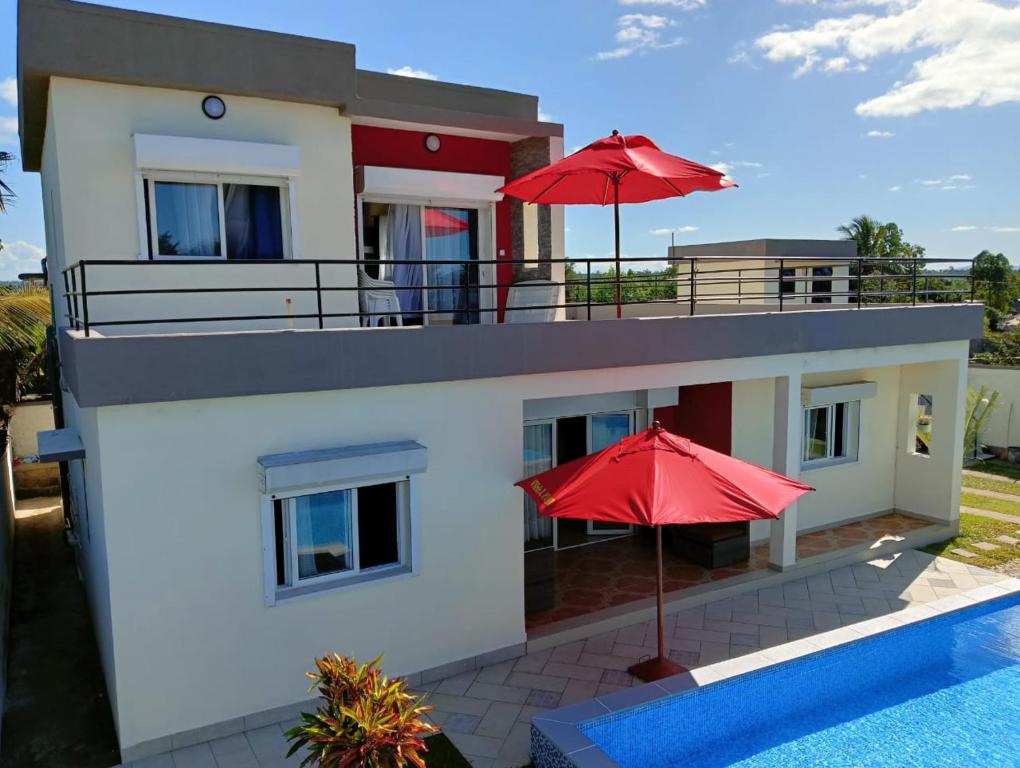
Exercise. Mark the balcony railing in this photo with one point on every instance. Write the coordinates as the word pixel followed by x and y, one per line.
pixel 181 294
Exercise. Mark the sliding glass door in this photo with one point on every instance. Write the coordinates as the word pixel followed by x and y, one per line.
pixel 538 457
pixel 604 430
pixel 434 253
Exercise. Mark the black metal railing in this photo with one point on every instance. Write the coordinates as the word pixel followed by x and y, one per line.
pixel 589 288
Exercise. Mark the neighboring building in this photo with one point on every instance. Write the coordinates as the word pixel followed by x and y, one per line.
pixel 250 493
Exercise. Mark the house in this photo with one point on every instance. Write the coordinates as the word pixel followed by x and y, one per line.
pixel 292 410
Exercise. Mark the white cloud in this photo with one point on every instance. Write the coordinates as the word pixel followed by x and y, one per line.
pixel 963 228
pixel 672 230
pixel 965 52
pixel 544 116
pixel 895 188
pixel 640 33
pixel 949 183
pixel 880 134
pixel 1005 229
pixel 19 256
pixel 727 166
pixel 8 130
pixel 407 71
pixel 683 5
pixel 9 91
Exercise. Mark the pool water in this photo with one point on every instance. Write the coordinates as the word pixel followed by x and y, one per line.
pixel 944 692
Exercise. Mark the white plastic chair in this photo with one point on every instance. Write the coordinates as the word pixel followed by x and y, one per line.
pixel 378 298
pixel 533 301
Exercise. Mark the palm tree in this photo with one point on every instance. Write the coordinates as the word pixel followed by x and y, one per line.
pixel 869 234
pixel 24 315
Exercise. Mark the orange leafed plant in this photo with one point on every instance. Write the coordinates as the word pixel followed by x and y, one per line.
pixel 365 719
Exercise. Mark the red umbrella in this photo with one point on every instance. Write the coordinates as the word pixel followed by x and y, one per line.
pixel 616 169
pixel 657 478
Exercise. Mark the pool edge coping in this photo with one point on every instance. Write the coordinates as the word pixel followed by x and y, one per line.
pixel 560 728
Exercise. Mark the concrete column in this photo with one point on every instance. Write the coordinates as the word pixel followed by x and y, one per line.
pixel 787 426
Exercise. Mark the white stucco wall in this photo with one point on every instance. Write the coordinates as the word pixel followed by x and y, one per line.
pixel 1003 428
pixel 97 215
pixel 28 419
pixel 179 516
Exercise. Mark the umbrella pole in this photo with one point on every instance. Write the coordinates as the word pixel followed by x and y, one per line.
pixel 661 666
pixel 616 222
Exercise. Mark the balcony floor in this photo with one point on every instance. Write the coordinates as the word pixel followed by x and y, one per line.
pixel 612 573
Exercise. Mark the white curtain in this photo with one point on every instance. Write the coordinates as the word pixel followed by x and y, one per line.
pixel 403 243
pixel 188 219
pixel 538 447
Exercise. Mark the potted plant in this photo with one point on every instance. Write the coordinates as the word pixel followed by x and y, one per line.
pixel 364 719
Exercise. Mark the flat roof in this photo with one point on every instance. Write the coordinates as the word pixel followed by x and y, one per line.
pixel 768 248
pixel 63 38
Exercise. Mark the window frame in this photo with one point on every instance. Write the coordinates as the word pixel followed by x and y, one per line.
pixel 851 435
pixel 147 180
pixel 407 541
pixel 487 252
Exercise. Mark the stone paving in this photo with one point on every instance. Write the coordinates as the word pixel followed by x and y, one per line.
pixel 487 712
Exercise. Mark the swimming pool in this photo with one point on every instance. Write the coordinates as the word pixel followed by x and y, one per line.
pixel 944 691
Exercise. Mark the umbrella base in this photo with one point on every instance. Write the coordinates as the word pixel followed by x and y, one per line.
pixel 656 668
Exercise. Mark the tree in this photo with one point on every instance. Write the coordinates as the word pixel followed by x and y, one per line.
pixel 878 241
pixel 24 315
pixel 6 193
pixel 993 280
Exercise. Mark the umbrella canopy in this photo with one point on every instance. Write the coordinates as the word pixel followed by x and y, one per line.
pixel 616 169
pixel 439 223
pixel 657 478
pixel 635 164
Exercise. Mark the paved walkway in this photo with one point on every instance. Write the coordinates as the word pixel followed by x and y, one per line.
pixel 487 713
pixel 56 713
pixel 991 514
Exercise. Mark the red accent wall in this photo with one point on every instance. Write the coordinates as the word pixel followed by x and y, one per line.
pixel 704 414
pixel 392 148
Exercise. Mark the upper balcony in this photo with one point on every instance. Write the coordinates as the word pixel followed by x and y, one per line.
pixel 116 297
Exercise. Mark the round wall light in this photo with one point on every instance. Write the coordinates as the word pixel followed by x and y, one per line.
pixel 432 143
pixel 214 107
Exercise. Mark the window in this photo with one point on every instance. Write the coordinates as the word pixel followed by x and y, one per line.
pixel 788 283
pixel 208 217
pixel 830 434
pixel 339 534
pixel 821 290
pixel 922 424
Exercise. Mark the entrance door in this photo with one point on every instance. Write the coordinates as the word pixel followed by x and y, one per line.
pixel 604 430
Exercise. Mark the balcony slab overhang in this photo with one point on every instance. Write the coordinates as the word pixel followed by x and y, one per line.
pixel 120 370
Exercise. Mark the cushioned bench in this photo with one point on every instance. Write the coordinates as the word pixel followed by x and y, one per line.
pixel 712 545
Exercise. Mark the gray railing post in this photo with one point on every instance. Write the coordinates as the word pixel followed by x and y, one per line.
pixel 74 293
pixel 913 294
pixel 860 280
pixel 67 297
pixel 692 292
pixel 318 294
pixel 588 288
pixel 780 284
pixel 84 300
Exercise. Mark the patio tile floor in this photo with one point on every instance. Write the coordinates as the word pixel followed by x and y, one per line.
pixel 610 573
pixel 489 720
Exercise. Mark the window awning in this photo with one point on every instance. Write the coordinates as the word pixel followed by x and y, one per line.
pixel 283 472
pixel 60 445
pixel 813 397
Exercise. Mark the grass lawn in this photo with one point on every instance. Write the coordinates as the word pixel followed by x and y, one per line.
pixel 1001 468
pixel 442 753
pixel 974 528
pixel 1001 485
pixel 988 502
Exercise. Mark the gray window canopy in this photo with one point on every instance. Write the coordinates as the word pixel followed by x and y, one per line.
pixel 354 464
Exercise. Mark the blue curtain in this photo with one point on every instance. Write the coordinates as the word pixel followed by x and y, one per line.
pixel 403 236
pixel 253 222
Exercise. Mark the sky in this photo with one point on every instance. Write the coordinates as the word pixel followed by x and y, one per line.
pixel 821 110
